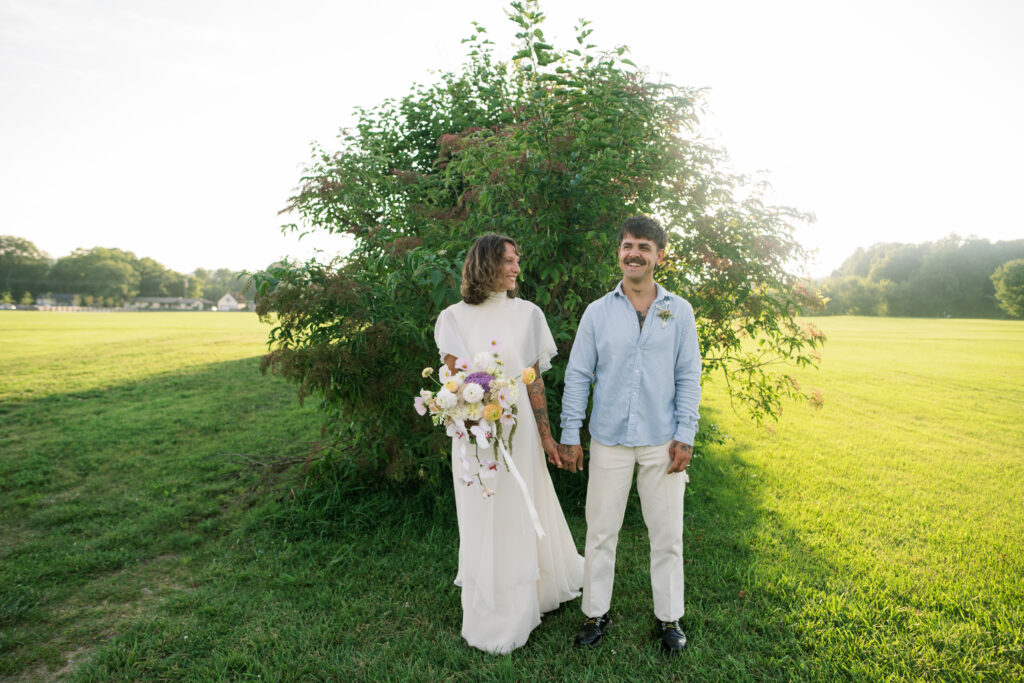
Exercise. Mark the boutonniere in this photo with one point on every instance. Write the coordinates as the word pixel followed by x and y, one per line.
pixel 664 312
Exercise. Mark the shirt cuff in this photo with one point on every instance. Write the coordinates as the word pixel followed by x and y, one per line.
pixel 570 436
pixel 685 436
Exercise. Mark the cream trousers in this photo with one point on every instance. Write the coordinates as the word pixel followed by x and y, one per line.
pixel 661 499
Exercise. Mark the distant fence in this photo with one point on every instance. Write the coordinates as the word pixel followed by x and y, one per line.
pixel 73 309
pixel 128 309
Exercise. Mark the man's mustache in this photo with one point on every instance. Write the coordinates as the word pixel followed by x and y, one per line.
pixel 635 260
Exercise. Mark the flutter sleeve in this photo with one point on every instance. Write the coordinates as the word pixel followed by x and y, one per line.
pixel 447 337
pixel 539 346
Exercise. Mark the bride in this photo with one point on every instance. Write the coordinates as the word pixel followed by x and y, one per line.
pixel 509 573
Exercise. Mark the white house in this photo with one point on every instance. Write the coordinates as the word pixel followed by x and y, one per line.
pixel 232 301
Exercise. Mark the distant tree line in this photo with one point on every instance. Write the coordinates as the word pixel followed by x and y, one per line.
pixel 952 277
pixel 102 276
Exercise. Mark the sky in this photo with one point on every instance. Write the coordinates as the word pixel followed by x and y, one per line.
pixel 178 130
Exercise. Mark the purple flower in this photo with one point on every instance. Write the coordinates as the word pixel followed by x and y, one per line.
pixel 481 378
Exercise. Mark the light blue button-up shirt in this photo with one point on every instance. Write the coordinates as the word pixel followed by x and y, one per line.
pixel 646 380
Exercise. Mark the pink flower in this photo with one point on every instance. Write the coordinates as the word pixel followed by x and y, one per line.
pixel 418 404
pixel 467 480
pixel 495 347
pixel 508 419
pixel 462 364
pixel 505 397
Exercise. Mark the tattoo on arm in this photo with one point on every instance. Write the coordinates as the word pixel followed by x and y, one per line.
pixel 540 406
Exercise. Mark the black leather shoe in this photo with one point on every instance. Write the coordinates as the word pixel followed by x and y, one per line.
pixel 592 631
pixel 673 640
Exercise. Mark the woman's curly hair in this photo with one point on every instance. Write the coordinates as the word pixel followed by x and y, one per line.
pixel 482 269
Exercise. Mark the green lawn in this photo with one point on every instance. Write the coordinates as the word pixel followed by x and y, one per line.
pixel 876 538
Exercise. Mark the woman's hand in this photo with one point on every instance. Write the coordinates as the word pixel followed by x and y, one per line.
pixel 551 448
pixel 540 412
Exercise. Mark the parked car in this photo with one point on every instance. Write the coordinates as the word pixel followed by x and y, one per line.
pixel 8 307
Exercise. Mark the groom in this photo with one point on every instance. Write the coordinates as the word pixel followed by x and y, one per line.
pixel 637 346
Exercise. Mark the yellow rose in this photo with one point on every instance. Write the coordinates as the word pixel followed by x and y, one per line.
pixel 452 385
pixel 529 374
pixel 491 412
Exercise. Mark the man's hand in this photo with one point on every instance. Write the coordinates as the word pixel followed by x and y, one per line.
pixel 553 450
pixel 680 454
pixel 572 457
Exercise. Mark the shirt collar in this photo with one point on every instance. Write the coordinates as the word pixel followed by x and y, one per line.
pixel 662 293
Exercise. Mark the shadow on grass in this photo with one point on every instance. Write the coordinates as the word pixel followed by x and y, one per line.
pixel 741 606
pixel 356 582
pixel 97 485
pixel 338 581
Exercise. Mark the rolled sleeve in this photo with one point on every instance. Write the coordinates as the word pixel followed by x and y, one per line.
pixel 687 379
pixel 579 375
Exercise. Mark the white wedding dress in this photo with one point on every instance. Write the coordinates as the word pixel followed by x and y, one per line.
pixel 508 576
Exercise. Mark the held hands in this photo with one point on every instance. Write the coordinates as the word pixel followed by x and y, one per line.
pixel 680 455
pixel 552 450
pixel 571 457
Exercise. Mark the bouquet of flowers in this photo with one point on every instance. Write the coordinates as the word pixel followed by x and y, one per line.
pixel 477 400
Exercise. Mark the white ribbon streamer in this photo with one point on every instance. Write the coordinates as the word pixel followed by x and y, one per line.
pixel 522 487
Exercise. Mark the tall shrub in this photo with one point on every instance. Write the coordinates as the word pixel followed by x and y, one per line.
pixel 1008 280
pixel 555 147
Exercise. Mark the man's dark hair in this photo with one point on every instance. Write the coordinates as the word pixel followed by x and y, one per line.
pixel 645 228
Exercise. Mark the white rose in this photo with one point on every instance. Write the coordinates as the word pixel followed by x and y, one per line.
pixel 446 399
pixel 426 394
pixel 482 361
pixel 473 393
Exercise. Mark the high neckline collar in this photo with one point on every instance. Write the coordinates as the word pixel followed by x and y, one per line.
pixel 496 297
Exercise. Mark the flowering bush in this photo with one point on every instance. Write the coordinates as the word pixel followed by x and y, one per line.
pixel 554 148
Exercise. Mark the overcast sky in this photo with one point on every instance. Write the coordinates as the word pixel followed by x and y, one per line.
pixel 177 130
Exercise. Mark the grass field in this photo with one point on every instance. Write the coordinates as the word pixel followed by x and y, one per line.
pixel 877 538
